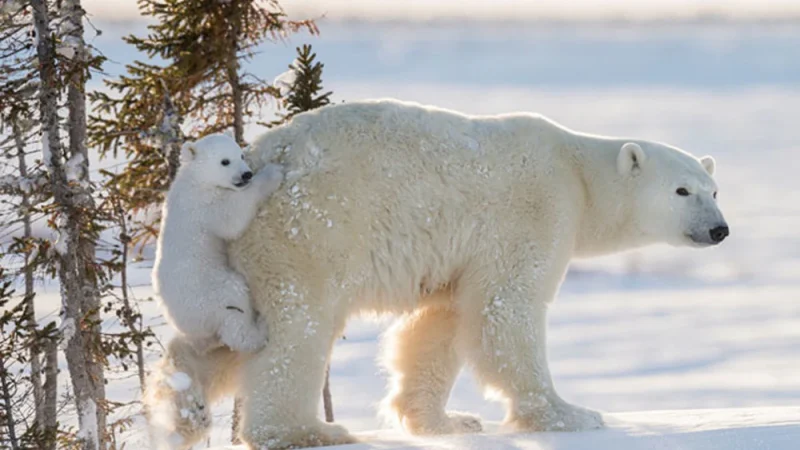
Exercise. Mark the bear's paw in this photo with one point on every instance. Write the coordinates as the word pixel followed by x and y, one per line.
pixel 280 438
pixel 557 416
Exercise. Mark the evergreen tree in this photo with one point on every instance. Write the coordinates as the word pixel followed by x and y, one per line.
pixel 203 44
pixel 300 87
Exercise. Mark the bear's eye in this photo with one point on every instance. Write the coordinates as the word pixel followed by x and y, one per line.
pixel 715 195
pixel 225 162
pixel 682 192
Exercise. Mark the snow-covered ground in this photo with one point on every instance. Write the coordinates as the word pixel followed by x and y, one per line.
pixel 657 329
pixel 729 429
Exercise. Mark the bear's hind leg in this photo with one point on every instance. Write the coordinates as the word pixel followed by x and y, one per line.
pixel 282 384
pixel 181 390
pixel 421 355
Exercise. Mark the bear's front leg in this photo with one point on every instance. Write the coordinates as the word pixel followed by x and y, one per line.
pixel 503 336
pixel 282 384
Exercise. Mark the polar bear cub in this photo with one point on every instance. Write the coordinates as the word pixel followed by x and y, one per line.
pixel 212 200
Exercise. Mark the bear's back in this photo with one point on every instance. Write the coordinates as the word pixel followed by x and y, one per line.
pixel 397 134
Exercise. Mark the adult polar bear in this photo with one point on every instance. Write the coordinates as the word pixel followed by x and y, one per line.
pixel 463 225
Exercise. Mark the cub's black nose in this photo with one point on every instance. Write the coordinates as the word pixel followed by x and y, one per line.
pixel 718 234
pixel 247 175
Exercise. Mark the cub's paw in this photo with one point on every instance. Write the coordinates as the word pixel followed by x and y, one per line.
pixel 240 333
pixel 269 178
pixel 254 340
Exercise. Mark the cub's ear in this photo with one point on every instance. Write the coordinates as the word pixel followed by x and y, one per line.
pixel 188 152
pixel 709 164
pixel 631 157
pixel 229 133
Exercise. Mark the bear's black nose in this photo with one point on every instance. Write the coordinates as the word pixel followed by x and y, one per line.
pixel 719 233
pixel 247 175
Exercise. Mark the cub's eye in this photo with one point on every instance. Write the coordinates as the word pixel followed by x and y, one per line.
pixel 225 162
pixel 242 156
pixel 682 192
pixel 715 195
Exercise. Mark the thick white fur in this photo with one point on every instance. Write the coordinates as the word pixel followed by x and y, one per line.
pixel 464 226
pixel 203 297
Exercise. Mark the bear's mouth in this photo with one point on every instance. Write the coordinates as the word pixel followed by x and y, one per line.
pixel 241 184
pixel 699 240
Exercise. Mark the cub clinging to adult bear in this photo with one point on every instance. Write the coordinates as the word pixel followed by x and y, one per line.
pixel 464 227
pixel 211 201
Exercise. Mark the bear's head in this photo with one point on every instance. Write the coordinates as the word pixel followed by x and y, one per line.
pixel 674 195
pixel 216 160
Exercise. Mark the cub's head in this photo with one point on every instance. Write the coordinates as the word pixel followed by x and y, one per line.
pixel 216 160
pixel 675 198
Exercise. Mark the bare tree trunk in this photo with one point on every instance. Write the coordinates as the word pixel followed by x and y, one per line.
pixel 237 418
pixel 36 362
pixel 90 304
pixel 237 94
pixel 50 394
pixel 131 324
pixel 48 96
pixel 232 69
pixel 76 253
pixel 171 136
pixel 326 396
pixel 238 134
pixel 5 392
pixel 124 239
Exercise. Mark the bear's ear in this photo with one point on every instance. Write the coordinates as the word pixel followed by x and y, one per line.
pixel 709 164
pixel 631 157
pixel 188 152
pixel 229 133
